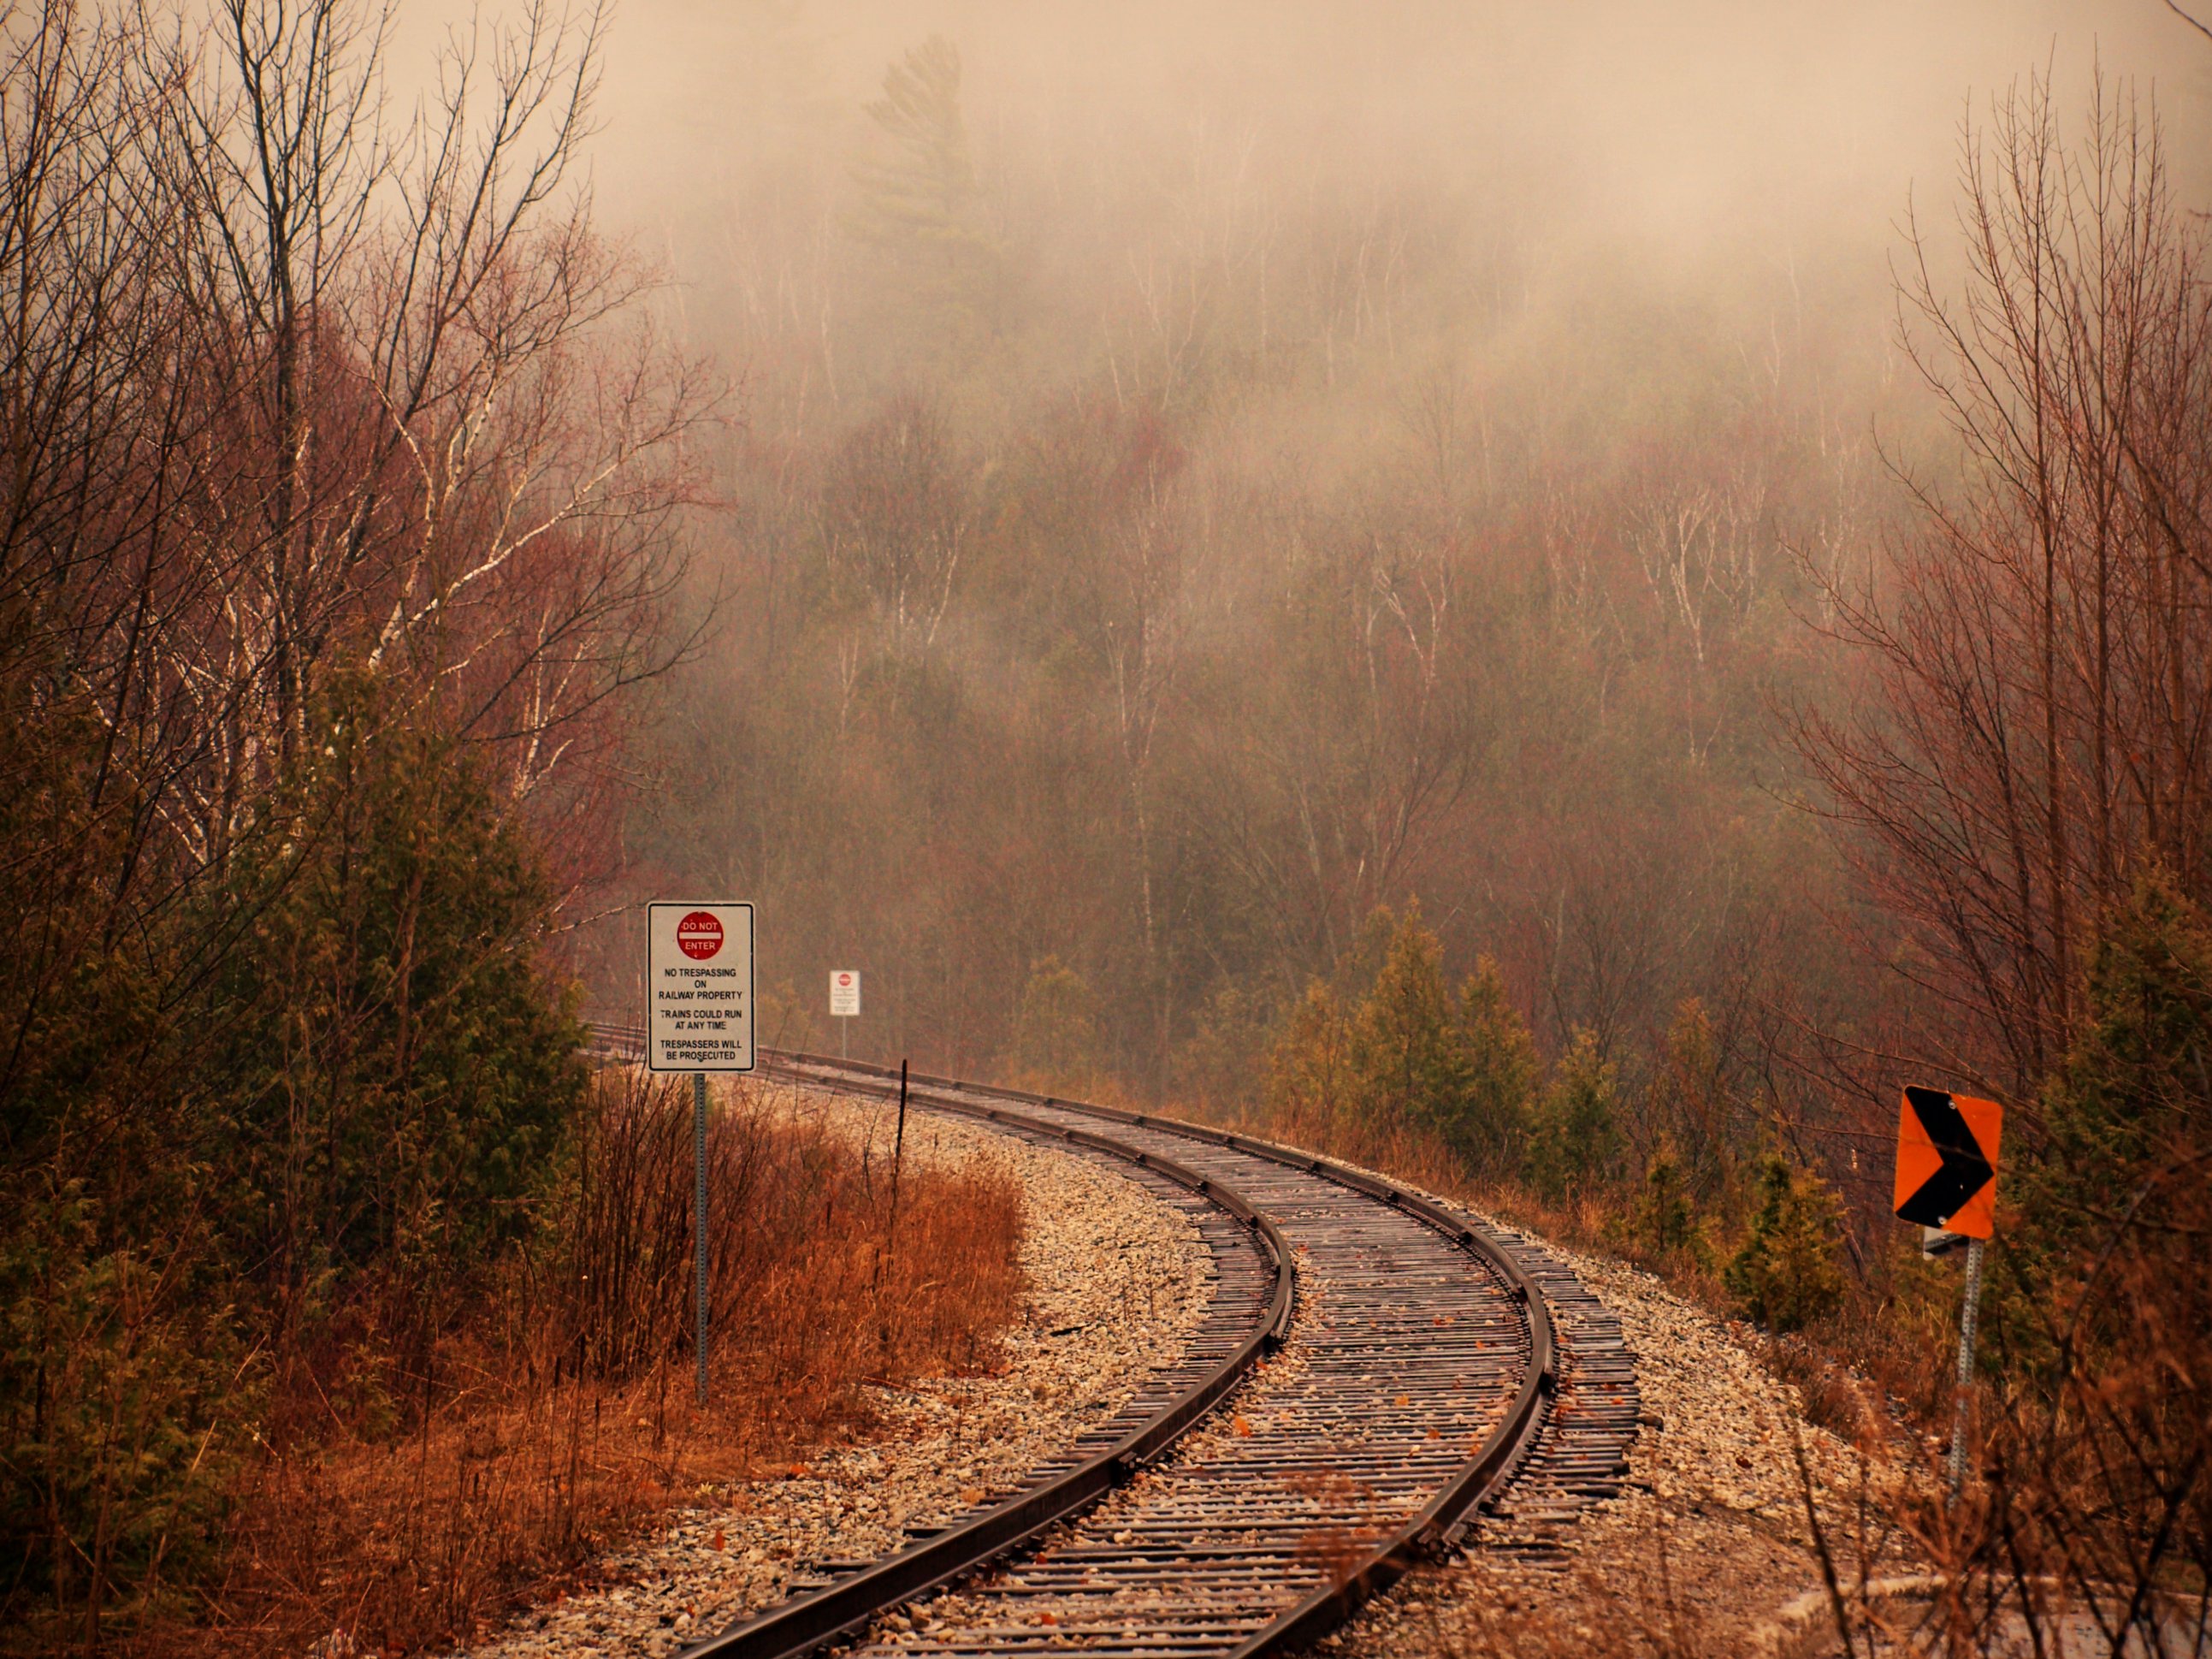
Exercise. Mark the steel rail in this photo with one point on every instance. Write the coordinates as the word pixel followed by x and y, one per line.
pixel 1444 1520
pixel 841 1610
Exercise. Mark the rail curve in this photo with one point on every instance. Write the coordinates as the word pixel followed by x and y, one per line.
pixel 1424 1367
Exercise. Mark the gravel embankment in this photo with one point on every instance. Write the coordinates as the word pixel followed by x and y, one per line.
pixel 1705 1549
pixel 1116 1281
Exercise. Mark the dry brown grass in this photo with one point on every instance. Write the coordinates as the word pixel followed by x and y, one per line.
pixel 411 1485
pixel 2086 1525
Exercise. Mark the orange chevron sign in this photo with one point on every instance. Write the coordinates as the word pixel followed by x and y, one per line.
pixel 1947 1161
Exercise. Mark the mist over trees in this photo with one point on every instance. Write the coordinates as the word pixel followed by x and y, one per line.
pixel 1213 573
pixel 1253 607
pixel 1154 563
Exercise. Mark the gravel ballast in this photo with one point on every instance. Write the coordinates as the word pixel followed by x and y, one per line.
pixel 1707 1547
pixel 1704 1547
pixel 1115 1281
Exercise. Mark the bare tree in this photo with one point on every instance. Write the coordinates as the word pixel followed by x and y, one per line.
pixel 896 521
pixel 449 440
pixel 2033 722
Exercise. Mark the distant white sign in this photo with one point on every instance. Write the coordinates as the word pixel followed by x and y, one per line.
pixel 845 993
pixel 699 987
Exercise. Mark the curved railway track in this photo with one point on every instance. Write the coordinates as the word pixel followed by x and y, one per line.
pixel 1422 1383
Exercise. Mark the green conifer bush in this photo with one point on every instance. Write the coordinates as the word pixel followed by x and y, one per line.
pixel 1785 1275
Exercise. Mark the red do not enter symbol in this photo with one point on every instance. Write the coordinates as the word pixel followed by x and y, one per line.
pixel 699 935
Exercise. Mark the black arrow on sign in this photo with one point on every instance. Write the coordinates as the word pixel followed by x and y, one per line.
pixel 1964 1171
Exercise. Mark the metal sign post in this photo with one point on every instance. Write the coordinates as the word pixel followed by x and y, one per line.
pixel 699 1018
pixel 699 1209
pixel 1966 1323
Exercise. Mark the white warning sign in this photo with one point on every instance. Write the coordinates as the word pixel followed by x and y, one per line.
pixel 699 987
pixel 845 993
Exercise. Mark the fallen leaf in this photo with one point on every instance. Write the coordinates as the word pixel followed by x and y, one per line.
pixel 715 1542
pixel 1239 1426
pixel 1047 1618
pixel 971 1494
pixel 1404 1400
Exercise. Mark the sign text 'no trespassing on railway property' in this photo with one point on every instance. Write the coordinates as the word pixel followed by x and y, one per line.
pixel 699 978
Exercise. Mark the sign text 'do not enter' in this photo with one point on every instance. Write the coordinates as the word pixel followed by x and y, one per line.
pixel 699 936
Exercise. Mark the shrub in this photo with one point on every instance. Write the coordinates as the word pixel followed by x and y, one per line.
pixel 1575 1143
pixel 1413 1068
pixel 399 1067
pixel 1663 1223
pixel 114 1392
pixel 1493 1123
pixel 347 1094
pixel 561 1411
pixel 1409 1058
pixel 1690 1108
pixel 1785 1276
pixel 2131 1102
pixel 1055 1037
pixel 1312 1087
pixel 1221 1065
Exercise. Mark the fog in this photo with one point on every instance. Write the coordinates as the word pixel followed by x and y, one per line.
pixel 1297 459
pixel 1673 141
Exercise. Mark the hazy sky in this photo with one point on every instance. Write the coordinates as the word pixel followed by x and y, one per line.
pixel 1685 119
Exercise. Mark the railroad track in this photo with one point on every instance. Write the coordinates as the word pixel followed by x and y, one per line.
pixel 1428 1376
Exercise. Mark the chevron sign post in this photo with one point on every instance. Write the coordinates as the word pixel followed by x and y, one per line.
pixel 1946 1181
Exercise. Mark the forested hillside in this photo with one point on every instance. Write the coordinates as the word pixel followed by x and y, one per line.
pixel 1559 606
pixel 1160 554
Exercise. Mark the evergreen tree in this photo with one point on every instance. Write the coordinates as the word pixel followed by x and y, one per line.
pixel 1785 1275
pixel 1576 1141
pixel 1409 1055
pixel 1690 1109
pixel 1493 1123
pixel 2130 1102
pixel 1221 1064
pixel 917 204
pixel 1310 1081
pixel 1055 1038
pixel 401 1066
pixel 1413 1068
pixel 1662 1222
